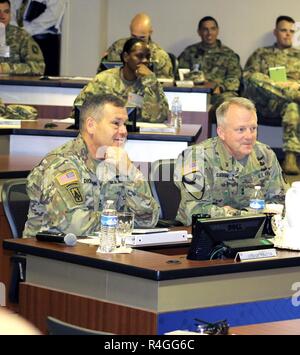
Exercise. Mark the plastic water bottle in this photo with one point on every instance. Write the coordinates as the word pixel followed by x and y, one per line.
pixel 257 202
pixel 176 113
pixel 109 226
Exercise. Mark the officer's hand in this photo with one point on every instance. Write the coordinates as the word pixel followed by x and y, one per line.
pixel 118 157
pixel 142 70
pixel 230 211
pixel 289 84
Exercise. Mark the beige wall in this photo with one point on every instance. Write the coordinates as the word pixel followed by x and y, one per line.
pixel 244 25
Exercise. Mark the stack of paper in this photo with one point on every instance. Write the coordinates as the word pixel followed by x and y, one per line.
pixel 155 127
pixel 4 123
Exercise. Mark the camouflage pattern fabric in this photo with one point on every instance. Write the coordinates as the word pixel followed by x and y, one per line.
pixel 270 99
pixel 210 178
pixel 155 105
pixel 2 108
pixel 219 64
pixel 21 112
pixel 66 195
pixel 162 65
pixel 26 57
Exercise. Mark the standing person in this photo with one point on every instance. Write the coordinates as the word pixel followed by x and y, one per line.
pixel 25 56
pixel 141 27
pixel 218 176
pixel 135 83
pixel 42 20
pixel 278 98
pixel 219 64
pixel 70 186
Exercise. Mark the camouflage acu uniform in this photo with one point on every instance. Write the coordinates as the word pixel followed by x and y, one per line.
pixel 271 100
pixel 67 196
pixel 162 65
pixel 26 57
pixel 220 65
pixel 208 176
pixel 155 106
pixel 21 112
pixel 2 108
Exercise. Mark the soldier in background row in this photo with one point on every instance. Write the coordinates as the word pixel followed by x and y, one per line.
pixel 218 176
pixel 68 189
pixel 141 27
pixel 42 19
pixel 25 57
pixel 278 98
pixel 135 83
pixel 219 64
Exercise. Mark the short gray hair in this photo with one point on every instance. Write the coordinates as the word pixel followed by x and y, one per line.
pixel 93 106
pixel 238 101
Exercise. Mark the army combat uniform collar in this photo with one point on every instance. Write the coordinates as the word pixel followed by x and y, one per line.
pixel 229 163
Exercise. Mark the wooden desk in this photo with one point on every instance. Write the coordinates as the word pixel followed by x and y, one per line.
pixel 288 327
pixel 32 139
pixel 149 292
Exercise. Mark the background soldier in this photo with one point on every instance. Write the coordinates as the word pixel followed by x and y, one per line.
pixel 218 176
pixel 69 187
pixel 280 98
pixel 219 64
pixel 25 56
pixel 135 83
pixel 141 27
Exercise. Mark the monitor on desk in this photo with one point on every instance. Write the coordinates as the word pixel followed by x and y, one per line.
pixel 109 65
pixel 233 234
pixel 132 119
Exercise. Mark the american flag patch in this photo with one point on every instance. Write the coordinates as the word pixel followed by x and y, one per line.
pixel 67 178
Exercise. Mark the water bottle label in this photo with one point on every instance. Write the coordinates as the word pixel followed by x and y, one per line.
pixel 257 204
pixel 109 221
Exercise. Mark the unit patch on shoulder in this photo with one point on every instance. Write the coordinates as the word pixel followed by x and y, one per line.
pixel 75 192
pixel 67 178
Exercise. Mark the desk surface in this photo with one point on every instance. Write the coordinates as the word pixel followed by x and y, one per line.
pixel 74 82
pixel 151 264
pixel 187 133
pixel 288 327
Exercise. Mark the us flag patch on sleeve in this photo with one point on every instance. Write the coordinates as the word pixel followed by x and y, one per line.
pixel 67 178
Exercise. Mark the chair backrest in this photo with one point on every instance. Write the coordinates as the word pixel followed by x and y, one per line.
pixel 58 327
pixel 15 204
pixel 163 188
pixel 174 64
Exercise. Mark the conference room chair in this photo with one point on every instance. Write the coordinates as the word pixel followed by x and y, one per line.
pixel 174 65
pixel 58 327
pixel 15 205
pixel 164 190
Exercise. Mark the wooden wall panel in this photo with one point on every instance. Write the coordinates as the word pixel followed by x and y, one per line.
pixel 36 303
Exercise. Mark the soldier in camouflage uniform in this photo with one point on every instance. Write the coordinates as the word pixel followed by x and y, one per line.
pixel 278 99
pixel 25 56
pixel 220 64
pixel 68 189
pixel 141 27
pixel 218 176
pixel 135 83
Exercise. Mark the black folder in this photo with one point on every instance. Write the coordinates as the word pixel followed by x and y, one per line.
pixel 35 9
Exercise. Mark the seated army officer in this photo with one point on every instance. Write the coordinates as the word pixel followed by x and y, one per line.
pixel 135 83
pixel 141 27
pixel 24 56
pixel 218 176
pixel 68 189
